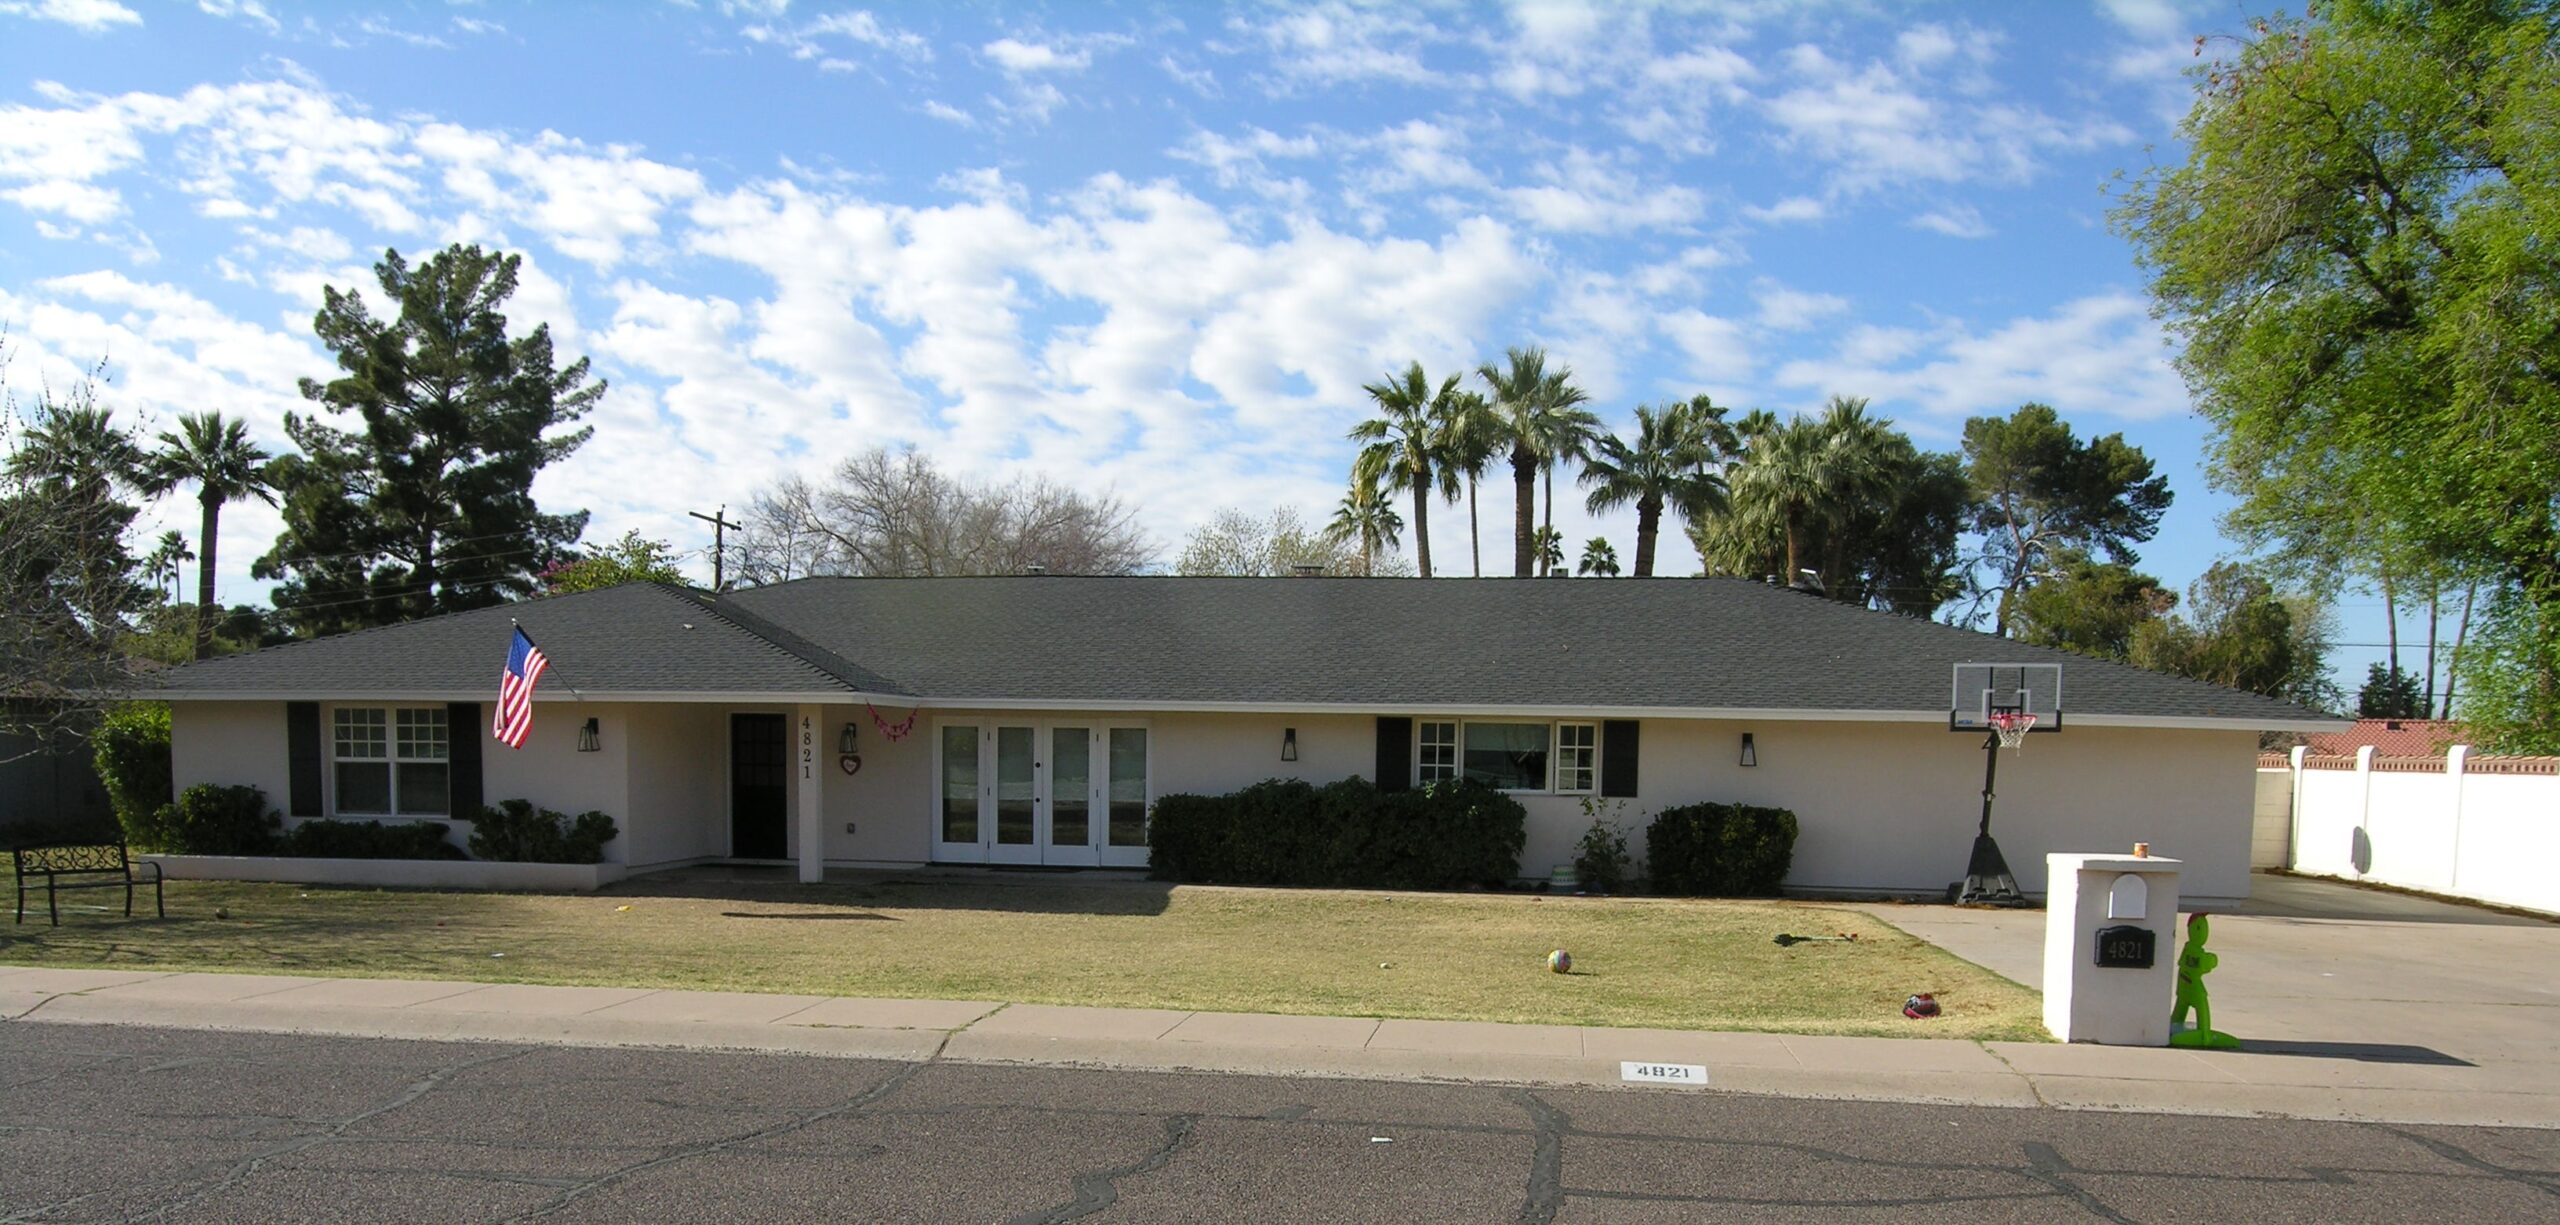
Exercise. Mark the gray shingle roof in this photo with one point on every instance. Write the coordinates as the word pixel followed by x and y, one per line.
pixel 636 638
pixel 1385 644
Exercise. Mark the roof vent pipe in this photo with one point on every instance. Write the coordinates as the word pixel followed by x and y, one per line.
pixel 1035 569
pixel 1307 569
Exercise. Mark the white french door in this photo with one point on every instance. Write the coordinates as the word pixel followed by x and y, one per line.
pixel 1066 792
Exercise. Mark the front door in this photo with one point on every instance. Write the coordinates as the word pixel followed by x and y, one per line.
pixel 1064 793
pixel 759 788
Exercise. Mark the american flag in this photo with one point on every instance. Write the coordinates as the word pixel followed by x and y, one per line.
pixel 515 691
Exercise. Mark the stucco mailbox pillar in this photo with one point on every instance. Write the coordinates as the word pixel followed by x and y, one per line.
pixel 2110 948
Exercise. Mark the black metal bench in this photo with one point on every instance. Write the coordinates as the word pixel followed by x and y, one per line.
pixel 106 861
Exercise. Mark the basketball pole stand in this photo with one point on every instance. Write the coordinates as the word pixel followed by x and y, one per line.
pixel 1987 880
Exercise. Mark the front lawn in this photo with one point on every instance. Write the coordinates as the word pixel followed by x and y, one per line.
pixel 1643 961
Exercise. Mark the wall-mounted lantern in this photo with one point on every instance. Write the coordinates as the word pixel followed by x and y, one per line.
pixel 845 742
pixel 591 736
pixel 1288 744
pixel 1750 754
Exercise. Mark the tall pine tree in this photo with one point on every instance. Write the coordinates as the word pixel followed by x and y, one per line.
pixel 427 507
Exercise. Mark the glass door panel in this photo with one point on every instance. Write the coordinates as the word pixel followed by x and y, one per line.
pixel 1127 795
pixel 958 800
pixel 1017 795
pixel 1070 792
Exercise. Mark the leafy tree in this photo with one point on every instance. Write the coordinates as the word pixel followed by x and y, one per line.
pixel 2236 632
pixel 2088 606
pixel 2038 489
pixel 1670 464
pixel 428 508
pixel 1599 557
pixel 1235 543
pixel 1405 442
pixel 1366 518
pixel 213 453
pixel 2390 693
pixel 632 559
pixel 68 584
pixel 893 514
pixel 1541 422
pixel 2356 255
pixel 1470 436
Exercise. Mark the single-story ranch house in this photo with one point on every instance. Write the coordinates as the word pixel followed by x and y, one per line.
pixel 1034 720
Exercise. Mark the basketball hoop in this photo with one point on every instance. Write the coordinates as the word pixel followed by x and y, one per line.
pixel 2012 726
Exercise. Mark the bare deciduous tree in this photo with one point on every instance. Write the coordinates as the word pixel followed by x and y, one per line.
pixel 893 514
pixel 1233 542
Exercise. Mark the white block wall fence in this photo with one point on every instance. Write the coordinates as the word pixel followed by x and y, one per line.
pixel 2485 828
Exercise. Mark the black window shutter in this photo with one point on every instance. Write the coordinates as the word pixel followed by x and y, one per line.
pixel 1395 753
pixel 302 755
pixel 462 742
pixel 1618 758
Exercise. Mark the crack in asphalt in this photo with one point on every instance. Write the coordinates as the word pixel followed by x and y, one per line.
pixel 1100 1189
pixel 2545 1181
pixel 2046 1165
pixel 585 1187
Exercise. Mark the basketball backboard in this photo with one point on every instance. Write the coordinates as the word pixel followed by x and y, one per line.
pixel 1982 689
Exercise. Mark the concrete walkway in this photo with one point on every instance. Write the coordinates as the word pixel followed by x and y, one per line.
pixel 2333 1085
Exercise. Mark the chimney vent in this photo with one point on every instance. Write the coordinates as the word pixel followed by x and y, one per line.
pixel 1307 569
pixel 1035 569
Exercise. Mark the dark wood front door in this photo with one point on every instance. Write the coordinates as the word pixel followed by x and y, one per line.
pixel 759 797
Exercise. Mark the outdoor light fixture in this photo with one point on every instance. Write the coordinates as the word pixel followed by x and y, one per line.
pixel 1750 755
pixel 591 736
pixel 1288 744
pixel 844 741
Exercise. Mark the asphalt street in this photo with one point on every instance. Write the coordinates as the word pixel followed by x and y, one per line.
pixel 118 1123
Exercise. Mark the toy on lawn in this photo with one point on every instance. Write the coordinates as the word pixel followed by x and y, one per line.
pixel 1560 961
pixel 2193 964
pixel 1920 1007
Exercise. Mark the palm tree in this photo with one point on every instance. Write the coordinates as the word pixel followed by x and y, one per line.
pixel 79 449
pixel 1795 480
pixel 1368 517
pixel 1469 437
pixel 1404 447
pixel 1549 551
pixel 213 451
pixel 164 561
pixel 1564 434
pixel 1601 558
pixel 1670 463
pixel 1538 418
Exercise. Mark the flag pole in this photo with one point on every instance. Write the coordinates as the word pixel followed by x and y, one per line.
pixel 518 627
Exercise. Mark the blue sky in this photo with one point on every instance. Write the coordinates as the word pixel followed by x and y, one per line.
pixel 1154 248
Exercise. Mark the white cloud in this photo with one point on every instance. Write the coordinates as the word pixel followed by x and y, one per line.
pixel 88 16
pixel 83 202
pixel 1954 221
pixel 1884 125
pixel 1787 211
pixel 1334 43
pixel 1787 310
pixel 817 39
pixel 1015 55
pixel 1586 193
pixel 1717 349
pixel 2101 354
pixel 246 11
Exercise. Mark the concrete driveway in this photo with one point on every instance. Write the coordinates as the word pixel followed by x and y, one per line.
pixel 2325 968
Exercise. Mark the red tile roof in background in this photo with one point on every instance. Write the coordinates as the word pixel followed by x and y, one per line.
pixel 2389 738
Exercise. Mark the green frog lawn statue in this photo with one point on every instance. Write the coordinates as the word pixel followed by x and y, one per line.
pixel 2193 964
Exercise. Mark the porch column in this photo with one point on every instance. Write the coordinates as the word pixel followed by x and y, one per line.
pixel 813 866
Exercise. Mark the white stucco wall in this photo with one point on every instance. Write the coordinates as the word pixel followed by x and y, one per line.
pixel 679 798
pixel 232 744
pixel 2469 832
pixel 551 772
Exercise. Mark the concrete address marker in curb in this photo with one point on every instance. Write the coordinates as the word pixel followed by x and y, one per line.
pixel 1662 1073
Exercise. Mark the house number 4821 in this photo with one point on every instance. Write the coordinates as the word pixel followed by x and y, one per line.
pixel 808 748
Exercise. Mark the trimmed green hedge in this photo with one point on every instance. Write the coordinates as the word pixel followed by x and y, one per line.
pixel 1286 832
pixel 211 819
pixel 322 839
pixel 517 832
pixel 1720 850
pixel 131 751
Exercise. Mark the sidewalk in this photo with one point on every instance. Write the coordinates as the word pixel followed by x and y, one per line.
pixel 2354 1086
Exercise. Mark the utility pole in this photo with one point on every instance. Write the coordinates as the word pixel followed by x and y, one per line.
pixel 720 526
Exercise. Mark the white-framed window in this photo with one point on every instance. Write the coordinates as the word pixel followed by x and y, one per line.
pixel 391 761
pixel 1435 757
pixel 1577 758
